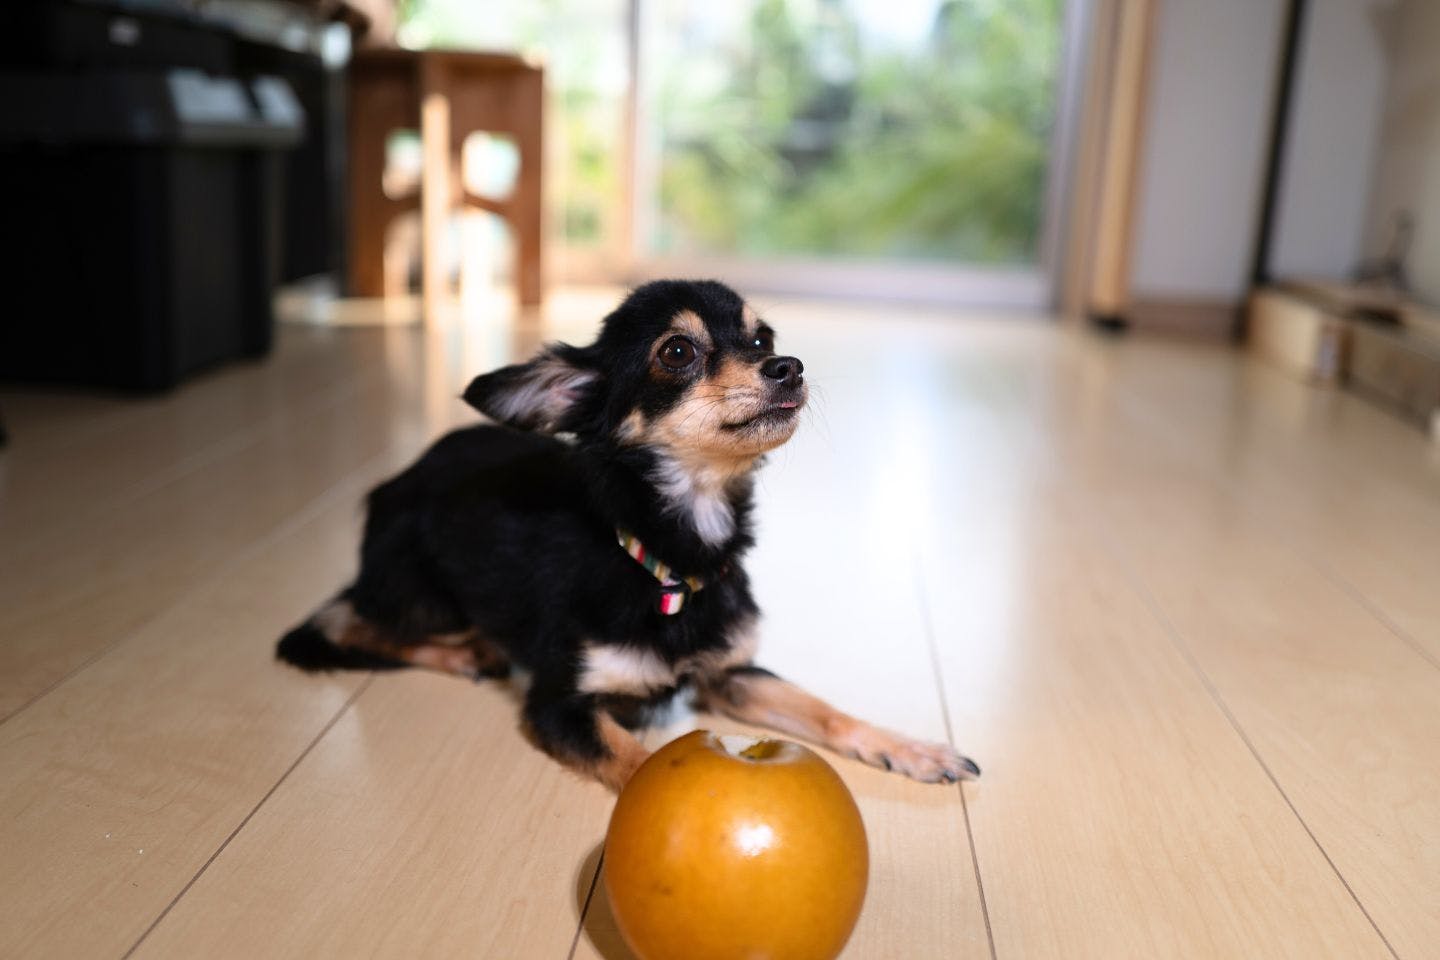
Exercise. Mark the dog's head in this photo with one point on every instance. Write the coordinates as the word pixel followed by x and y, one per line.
pixel 684 372
pixel 685 368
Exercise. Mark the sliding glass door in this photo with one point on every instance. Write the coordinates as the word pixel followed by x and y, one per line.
pixel 890 147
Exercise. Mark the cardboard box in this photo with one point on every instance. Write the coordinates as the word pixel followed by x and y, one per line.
pixel 1400 367
pixel 1297 335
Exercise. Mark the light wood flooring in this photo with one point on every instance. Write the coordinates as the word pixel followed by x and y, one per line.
pixel 1183 611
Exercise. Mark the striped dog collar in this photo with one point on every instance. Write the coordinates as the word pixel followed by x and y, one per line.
pixel 673 591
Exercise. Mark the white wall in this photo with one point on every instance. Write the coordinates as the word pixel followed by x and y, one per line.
pixel 1407 174
pixel 1333 141
pixel 1202 165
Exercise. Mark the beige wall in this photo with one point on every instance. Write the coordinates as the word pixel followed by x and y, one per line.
pixel 1333 141
pixel 1407 174
pixel 1203 160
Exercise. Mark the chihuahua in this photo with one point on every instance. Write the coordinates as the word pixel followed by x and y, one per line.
pixel 594 538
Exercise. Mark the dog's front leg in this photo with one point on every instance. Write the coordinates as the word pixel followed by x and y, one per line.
pixel 575 730
pixel 754 695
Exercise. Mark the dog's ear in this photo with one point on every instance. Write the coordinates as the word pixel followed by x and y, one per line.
pixel 538 395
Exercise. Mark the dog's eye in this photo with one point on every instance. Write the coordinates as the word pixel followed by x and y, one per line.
pixel 677 353
pixel 764 340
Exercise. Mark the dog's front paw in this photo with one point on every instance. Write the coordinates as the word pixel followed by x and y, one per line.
pixel 926 762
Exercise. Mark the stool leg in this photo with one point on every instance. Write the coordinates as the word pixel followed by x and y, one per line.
pixel 526 219
pixel 369 207
pixel 382 100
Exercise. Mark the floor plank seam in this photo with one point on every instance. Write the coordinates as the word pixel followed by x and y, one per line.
pixel 65 677
pixel 280 530
pixel 133 413
pixel 1172 634
pixel 1282 535
pixel 932 643
pixel 363 686
pixel 1375 610
pixel 235 442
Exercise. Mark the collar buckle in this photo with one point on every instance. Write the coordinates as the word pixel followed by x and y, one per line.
pixel 673 597
pixel 674 591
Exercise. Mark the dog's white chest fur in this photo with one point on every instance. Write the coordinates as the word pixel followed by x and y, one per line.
pixel 627 670
pixel 637 672
pixel 702 498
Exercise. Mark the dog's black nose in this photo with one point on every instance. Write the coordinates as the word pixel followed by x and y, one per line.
pixel 786 370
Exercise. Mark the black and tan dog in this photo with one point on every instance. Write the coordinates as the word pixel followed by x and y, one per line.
pixel 607 564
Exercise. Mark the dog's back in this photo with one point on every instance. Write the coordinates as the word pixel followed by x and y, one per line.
pixel 461 539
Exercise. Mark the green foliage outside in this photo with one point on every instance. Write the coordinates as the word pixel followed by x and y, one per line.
pixel 936 153
pixel 814 139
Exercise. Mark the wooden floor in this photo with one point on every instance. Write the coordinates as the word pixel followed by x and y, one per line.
pixel 1183 611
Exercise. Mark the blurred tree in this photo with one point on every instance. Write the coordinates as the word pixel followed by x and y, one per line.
pixel 822 143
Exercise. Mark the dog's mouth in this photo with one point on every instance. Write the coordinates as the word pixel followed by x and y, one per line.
pixel 776 413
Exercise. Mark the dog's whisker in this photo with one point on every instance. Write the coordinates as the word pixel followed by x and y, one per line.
pixel 815 413
pixel 700 408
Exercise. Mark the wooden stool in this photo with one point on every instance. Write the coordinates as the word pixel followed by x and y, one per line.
pixel 448 95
